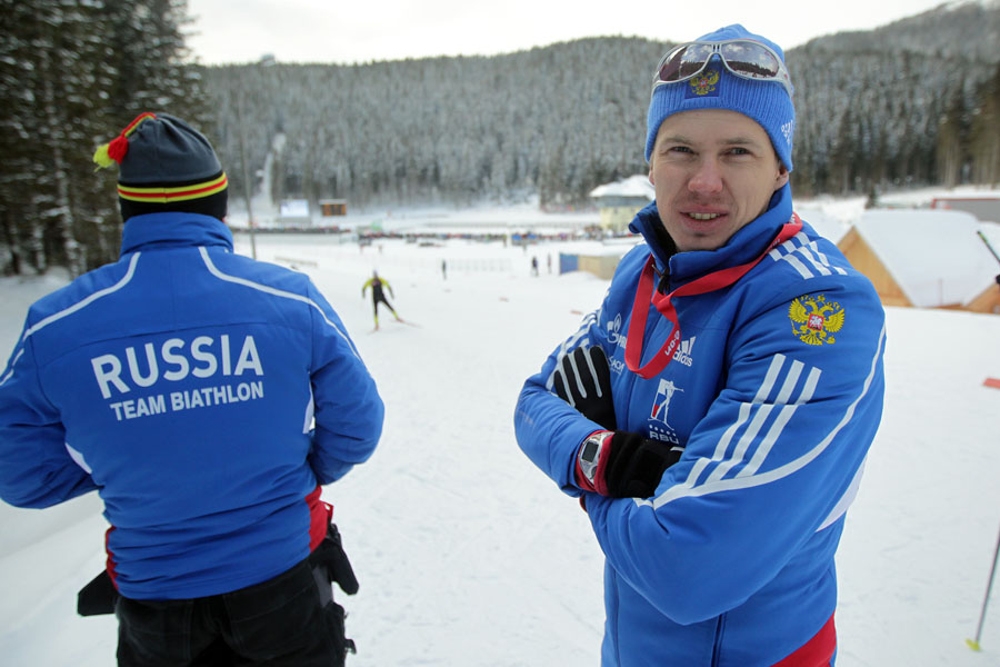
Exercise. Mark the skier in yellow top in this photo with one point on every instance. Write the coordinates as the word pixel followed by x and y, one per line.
pixel 378 286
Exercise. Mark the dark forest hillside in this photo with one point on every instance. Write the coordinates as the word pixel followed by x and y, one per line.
pixel 915 102
pixel 909 103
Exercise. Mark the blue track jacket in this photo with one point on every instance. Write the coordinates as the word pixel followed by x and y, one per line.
pixel 775 394
pixel 204 395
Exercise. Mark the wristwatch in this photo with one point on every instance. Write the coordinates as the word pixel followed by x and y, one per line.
pixel 590 453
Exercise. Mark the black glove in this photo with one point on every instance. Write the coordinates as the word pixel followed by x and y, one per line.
pixel 331 555
pixel 583 379
pixel 635 465
pixel 98 597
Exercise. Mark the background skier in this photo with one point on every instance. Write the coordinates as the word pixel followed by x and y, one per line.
pixel 379 286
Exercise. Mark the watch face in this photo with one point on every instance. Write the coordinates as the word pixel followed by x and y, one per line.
pixel 589 451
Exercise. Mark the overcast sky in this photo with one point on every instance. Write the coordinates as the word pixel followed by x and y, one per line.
pixel 352 31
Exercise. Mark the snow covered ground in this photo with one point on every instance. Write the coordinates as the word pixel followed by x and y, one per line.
pixel 468 556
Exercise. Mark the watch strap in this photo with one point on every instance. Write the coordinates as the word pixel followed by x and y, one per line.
pixel 591 461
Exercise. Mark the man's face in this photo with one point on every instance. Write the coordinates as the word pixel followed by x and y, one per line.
pixel 713 171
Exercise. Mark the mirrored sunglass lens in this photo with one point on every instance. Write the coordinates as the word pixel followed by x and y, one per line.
pixel 751 60
pixel 684 62
pixel 671 66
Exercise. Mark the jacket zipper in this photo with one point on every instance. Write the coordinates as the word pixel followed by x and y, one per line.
pixel 720 626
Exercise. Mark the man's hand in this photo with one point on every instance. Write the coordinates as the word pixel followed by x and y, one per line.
pixel 583 379
pixel 636 464
pixel 619 464
pixel 612 463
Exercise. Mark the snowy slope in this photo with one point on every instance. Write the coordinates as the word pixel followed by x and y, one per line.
pixel 469 556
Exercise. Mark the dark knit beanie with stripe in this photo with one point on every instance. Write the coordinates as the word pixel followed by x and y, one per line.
pixel 164 164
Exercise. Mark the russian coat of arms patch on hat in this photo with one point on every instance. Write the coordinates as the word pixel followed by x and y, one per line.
pixel 705 84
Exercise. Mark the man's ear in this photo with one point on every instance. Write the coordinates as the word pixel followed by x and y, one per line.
pixel 782 178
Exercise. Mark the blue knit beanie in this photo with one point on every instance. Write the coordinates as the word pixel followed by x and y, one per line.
pixel 766 102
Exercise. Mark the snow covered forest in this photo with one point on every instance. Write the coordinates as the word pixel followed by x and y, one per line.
pixel 916 102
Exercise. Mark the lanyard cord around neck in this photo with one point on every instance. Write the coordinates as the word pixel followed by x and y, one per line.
pixel 645 294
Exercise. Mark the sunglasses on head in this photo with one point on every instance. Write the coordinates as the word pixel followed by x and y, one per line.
pixel 745 58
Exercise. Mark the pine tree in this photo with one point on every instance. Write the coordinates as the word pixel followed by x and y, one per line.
pixel 49 75
pixel 16 128
pixel 984 133
pixel 145 46
pixel 72 74
pixel 951 142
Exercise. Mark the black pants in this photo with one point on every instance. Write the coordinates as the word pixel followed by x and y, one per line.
pixel 288 621
pixel 381 299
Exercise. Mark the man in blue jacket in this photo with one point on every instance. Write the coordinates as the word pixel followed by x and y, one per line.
pixel 207 398
pixel 714 414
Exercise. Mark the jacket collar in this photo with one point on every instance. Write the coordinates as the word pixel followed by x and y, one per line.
pixel 745 245
pixel 174 230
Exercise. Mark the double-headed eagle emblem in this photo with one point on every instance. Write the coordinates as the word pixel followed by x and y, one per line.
pixel 814 319
pixel 704 83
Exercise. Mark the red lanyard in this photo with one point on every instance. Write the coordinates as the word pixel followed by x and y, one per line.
pixel 645 294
